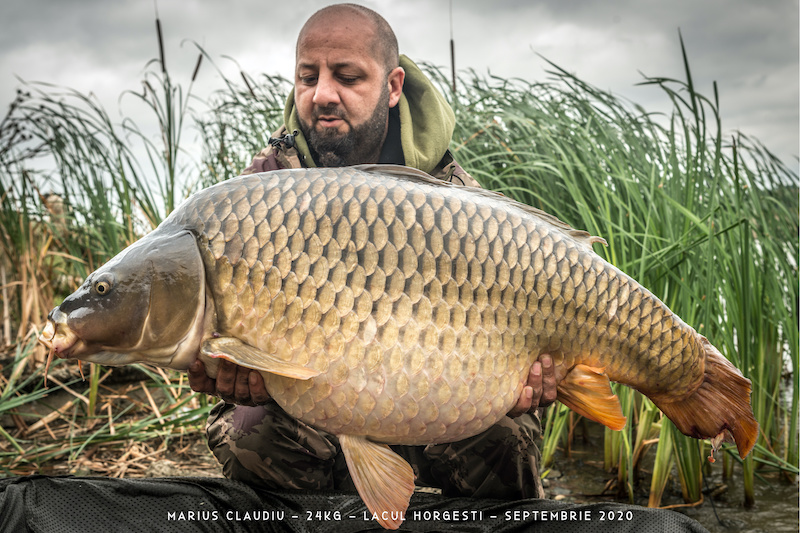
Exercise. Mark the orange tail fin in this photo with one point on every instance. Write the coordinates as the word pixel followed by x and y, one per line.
pixel 722 402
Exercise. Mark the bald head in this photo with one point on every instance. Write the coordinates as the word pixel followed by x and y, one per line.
pixel 368 24
pixel 347 77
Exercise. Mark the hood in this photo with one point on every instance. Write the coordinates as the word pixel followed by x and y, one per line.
pixel 426 121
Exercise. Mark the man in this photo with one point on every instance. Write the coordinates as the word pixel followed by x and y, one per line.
pixel 357 101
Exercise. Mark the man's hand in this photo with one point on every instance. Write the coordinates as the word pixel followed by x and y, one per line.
pixel 234 384
pixel 243 386
pixel 540 390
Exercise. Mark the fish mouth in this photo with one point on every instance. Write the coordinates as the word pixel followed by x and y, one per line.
pixel 59 339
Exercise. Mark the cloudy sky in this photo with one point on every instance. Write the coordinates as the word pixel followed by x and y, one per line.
pixel 749 48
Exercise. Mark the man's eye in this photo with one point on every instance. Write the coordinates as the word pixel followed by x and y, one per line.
pixel 348 79
pixel 308 80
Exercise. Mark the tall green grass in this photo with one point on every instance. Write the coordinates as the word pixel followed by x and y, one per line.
pixel 709 224
pixel 76 188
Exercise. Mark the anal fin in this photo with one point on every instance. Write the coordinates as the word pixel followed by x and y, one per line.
pixel 587 391
pixel 384 480
pixel 242 354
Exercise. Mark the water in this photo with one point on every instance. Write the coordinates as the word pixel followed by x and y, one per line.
pixel 581 479
pixel 776 509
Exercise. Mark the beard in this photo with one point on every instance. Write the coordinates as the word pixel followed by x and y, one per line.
pixel 329 148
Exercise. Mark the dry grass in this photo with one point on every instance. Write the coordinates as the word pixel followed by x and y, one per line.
pixel 144 425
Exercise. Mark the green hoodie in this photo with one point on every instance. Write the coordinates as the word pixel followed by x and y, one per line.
pixel 426 121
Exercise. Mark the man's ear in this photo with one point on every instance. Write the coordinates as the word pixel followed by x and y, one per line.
pixel 396 78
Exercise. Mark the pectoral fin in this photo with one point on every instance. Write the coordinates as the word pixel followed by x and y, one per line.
pixel 384 480
pixel 242 354
pixel 587 391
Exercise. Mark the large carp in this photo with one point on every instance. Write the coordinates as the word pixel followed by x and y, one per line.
pixel 386 307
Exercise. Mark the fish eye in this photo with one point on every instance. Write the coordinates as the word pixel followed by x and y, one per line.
pixel 103 285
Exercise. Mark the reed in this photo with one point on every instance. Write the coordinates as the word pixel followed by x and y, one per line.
pixel 708 225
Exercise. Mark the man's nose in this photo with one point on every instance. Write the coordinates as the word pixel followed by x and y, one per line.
pixel 327 91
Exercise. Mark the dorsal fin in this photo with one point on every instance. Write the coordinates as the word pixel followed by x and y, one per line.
pixel 581 237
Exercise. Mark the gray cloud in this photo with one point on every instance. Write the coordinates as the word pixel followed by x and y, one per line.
pixel 750 49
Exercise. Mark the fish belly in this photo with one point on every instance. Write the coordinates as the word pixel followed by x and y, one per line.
pixel 409 396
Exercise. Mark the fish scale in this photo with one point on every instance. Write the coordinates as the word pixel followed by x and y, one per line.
pixel 387 307
pixel 407 270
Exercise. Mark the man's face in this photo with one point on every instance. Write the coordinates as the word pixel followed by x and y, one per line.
pixel 342 91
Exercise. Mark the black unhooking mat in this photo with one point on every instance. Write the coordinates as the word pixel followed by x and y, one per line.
pixel 87 504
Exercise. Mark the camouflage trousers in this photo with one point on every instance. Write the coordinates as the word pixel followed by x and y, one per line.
pixel 266 448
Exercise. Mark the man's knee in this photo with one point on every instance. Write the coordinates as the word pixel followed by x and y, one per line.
pixel 501 462
pixel 264 447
